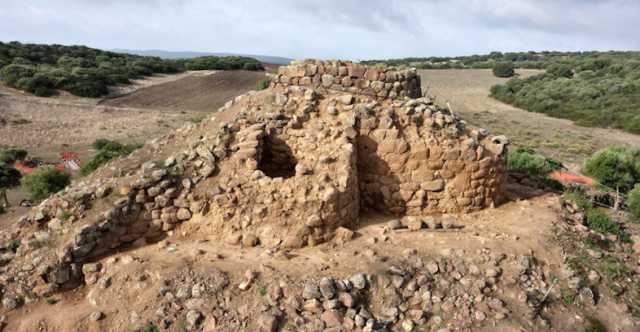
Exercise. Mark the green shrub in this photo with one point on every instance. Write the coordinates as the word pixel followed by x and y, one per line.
pixel 534 166
pixel 528 162
pixel 9 176
pixel 503 69
pixel 222 63
pixel 560 70
pixel 44 182
pixel 11 155
pixel 39 84
pixel 579 199
pixel 617 167
pixel 601 222
pixel 151 327
pixel 13 73
pixel 107 150
pixel 262 84
pixel 634 203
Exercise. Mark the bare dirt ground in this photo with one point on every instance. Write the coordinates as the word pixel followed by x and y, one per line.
pixel 516 229
pixel 154 80
pixel 204 93
pixel 467 91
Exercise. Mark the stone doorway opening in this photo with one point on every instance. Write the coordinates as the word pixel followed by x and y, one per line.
pixel 277 160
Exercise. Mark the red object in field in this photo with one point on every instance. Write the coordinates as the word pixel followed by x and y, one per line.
pixel 70 161
pixel 67 156
pixel 566 177
pixel 24 169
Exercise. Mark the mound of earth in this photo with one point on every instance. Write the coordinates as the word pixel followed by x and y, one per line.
pixel 338 199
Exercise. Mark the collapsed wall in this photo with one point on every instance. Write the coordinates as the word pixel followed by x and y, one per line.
pixel 299 160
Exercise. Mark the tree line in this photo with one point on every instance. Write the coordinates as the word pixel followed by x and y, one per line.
pixel 87 72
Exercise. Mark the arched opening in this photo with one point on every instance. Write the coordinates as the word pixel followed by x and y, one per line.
pixel 277 160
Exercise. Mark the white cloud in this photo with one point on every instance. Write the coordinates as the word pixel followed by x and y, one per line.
pixel 329 28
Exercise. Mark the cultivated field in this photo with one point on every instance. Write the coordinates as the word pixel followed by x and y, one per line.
pixel 147 109
pixel 467 91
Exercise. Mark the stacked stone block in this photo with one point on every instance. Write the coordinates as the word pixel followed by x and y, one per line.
pixel 346 76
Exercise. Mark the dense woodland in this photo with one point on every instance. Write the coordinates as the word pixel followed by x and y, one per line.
pixel 88 72
pixel 591 88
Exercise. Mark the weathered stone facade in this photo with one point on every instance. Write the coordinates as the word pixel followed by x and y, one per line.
pixel 300 161
pixel 345 76
pixel 348 152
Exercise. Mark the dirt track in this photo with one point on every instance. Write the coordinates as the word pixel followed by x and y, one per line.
pixel 194 93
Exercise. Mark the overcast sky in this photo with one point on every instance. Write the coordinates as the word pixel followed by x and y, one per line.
pixel 352 29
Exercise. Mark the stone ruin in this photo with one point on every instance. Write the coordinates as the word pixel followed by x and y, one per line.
pixel 300 160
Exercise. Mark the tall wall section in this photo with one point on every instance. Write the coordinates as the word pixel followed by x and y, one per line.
pixel 345 76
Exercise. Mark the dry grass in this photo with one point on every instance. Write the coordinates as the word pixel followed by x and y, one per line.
pixel 467 91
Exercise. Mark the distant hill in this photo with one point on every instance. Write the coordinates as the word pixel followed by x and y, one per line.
pixel 187 55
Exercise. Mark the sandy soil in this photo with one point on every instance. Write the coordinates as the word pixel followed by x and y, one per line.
pixel 467 91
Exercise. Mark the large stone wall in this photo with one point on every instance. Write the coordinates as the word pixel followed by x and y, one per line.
pixel 417 159
pixel 346 76
pixel 290 180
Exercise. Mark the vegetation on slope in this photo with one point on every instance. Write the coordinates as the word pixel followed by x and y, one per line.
pixel 107 150
pixel 615 167
pixel 525 60
pixel 88 72
pixel 535 166
pixel 634 203
pixel 596 93
pixel 45 181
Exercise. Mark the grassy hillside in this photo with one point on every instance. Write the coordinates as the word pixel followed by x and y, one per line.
pixel 88 72
pixel 596 92
pixel 525 60
pixel 596 89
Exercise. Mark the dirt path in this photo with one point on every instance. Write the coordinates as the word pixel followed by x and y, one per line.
pixel 467 91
